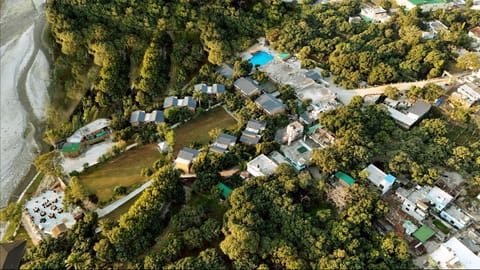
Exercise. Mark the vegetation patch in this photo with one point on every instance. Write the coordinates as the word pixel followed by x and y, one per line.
pixel 442 227
pixel 123 170
pixel 197 129
pixel 115 214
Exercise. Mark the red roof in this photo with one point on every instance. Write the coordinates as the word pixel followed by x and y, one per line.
pixel 476 31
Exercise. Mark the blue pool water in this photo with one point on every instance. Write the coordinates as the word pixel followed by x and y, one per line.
pixel 260 58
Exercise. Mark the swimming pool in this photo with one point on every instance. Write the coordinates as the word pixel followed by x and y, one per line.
pixel 260 58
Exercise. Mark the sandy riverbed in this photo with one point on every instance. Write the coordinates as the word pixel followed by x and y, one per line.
pixel 24 80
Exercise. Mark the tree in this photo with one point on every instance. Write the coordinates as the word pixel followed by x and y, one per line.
pixel 469 60
pixel 49 163
pixel 75 192
pixel 392 92
pixel 198 95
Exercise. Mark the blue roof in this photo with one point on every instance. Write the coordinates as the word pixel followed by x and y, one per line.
pixel 390 178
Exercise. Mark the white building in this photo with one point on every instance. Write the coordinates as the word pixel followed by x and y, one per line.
pixel 375 14
pixel 454 255
pixel 469 91
pixel 261 166
pixel 474 33
pixel 414 203
pixel 439 197
pixel 381 180
pixel 456 217
pixel 294 131
pixel 411 116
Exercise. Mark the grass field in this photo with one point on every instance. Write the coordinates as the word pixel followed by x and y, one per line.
pixel 197 129
pixel 115 215
pixel 123 170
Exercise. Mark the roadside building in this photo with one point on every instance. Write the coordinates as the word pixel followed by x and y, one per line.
pixel 270 105
pixel 246 86
pixel 321 136
pixel 467 94
pixel 169 102
pixel 140 118
pixel 223 142
pixel 374 14
pixel 454 255
pixel 71 150
pixel 185 159
pixel 297 153
pixel 434 29
pixel 137 118
pixel 11 254
pixel 261 166
pixel 293 132
pixel 414 203
pixel 379 179
pixel 251 134
pixel 456 217
pixel 412 114
pixel 439 198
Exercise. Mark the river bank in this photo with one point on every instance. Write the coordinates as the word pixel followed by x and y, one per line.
pixel 25 76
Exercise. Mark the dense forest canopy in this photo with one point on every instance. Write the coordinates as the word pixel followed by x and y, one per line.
pixel 118 56
pixel 130 54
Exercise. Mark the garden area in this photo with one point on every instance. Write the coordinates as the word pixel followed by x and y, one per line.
pixel 123 170
pixel 442 227
pixel 196 130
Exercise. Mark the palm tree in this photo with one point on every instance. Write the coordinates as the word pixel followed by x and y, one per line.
pixel 198 95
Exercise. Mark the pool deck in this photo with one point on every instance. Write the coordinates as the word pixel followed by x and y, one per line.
pixel 289 72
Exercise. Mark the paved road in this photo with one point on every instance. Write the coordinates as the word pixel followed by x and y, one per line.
pixel 346 95
pixel 107 210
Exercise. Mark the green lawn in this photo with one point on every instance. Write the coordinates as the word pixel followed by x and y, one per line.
pixel 196 130
pixel 115 215
pixel 442 227
pixel 123 170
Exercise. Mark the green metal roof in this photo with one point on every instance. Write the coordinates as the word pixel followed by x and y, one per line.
pixel 225 190
pixel 283 55
pixel 424 233
pixel 70 147
pixel 313 128
pixel 345 177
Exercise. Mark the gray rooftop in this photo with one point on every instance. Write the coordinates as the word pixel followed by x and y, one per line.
pixel 218 88
pixel 170 102
pixel 201 86
pixel 256 125
pixel 226 70
pixel 190 102
pixel 420 108
pixel 226 139
pixel 158 116
pixel 314 75
pixel 246 86
pixel 270 104
pixel 137 116
pixel 188 154
pixel 250 138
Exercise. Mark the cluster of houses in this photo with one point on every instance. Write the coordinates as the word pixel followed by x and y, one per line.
pixel 468 93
